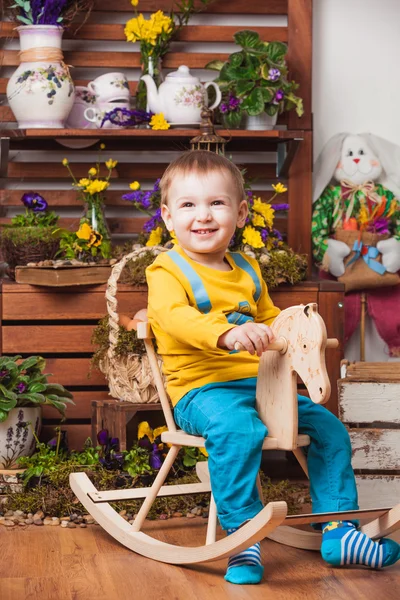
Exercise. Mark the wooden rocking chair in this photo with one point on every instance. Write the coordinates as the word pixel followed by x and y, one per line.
pixel 300 349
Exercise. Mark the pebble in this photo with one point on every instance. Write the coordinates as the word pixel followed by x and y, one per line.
pixel 177 514
pixel 122 513
pixel 22 524
pixel 190 515
pixel 163 517
pixel 29 521
pixel 19 513
pixel 8 523
pixel 38 515
pixel 9 513
pixel 64 519
pixel 88 519
pixel 71 525
pixel 83 525
pixel 197 510
pixel 37 522
pixel 64 523
pixel 48 521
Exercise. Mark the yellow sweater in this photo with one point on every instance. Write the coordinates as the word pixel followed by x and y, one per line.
pixel 187 338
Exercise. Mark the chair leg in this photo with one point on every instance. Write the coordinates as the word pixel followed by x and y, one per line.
pixel 212 522
pixel 299 454
pixel 155 488
pixel 260 490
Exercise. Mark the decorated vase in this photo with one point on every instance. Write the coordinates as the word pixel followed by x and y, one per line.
pixel 41 92
pixel 16 436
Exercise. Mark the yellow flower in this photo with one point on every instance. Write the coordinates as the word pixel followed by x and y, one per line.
pixel 145 429
pixel 149 30
pixel 279 188
pixel 258 221
pixel 84 232
pixel 155 237
pixel 252 237
pixel 95 239
pixel 204 452
pixel 83 182
pixel 158 122
pixel 65 162
pixel 265 210
pixel 174 239
pixel 363 215
pixel 102 146
pixel 135 185
pixel 96 187
pixel 92 171
pixel 111 164
pixel 134 2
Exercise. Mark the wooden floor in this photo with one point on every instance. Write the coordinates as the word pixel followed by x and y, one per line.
pixel 51 563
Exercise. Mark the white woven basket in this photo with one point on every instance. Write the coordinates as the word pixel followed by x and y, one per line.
pixel 129 377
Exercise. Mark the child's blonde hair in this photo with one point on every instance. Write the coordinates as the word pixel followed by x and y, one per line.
pixel 202 162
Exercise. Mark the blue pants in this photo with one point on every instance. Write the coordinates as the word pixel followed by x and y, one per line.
pixel 225 415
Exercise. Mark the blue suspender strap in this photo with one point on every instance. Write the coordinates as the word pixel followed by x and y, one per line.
pixel 199 292
pixel 246 266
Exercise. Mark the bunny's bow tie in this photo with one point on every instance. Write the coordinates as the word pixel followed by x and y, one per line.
pixel 349 191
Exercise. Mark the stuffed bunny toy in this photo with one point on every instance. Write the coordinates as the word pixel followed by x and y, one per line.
pixel 364 173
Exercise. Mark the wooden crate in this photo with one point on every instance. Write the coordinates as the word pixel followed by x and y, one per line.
pixel 369 405
pixel 58 323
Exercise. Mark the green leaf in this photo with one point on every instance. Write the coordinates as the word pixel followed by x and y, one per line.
pixel 254 104
pixel 10 395
pixel 271 109
pixel 233 119
pixel 58 390
pixel 6 404
pixel 33 361
pixel 276 51
pixel 247 39
pixel 24 21
pixel 236 59
pixel 267 94
pixel 244 86
pixel 215 65
pixel 3 415
pixel 37 387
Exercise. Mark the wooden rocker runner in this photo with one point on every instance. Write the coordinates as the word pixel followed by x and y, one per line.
pixel 299 349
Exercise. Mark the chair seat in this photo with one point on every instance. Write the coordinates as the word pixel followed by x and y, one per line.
pixel 181 438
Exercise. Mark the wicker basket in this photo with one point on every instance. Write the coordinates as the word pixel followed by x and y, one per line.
pixel 129 377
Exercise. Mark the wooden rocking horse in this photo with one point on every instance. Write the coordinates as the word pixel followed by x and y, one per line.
pixel 299 349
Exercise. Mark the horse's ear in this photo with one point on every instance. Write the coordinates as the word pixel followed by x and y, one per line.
pixel 310 308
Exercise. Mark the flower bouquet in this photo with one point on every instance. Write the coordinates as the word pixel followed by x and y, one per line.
pixel 91 241
pixel 30 236
pixel 45 12
pixel 154 36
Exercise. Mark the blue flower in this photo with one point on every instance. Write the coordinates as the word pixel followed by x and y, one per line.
pixel 34 201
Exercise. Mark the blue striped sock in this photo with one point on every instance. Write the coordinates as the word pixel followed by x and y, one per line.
pixel 245 567
pixel 342 544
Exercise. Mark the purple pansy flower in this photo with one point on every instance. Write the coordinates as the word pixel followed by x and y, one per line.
pixel 274 74
pixel 34 201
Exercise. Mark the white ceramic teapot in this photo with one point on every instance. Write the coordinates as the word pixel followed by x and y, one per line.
pixel 180 97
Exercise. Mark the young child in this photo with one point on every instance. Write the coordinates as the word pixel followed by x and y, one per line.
pixel 204 299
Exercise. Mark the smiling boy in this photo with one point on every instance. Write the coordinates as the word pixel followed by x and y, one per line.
pixel 204 299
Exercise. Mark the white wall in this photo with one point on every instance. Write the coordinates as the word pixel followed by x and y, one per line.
pixel 356 72
pixel 356 88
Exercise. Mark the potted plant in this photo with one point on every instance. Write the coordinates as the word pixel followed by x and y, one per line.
pixel 254 83
pixel 30 236
pixel 24 388
pixel 92 241
pixel 41 91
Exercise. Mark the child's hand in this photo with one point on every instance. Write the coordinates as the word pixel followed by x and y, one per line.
pixel 254 337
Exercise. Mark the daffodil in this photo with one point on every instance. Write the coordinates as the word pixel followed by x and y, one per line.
pixel 265 210
pixel 96 187
pixel 279 188
pixel 84 232
pixel 83 182
pixel 65 162
pixel 92 171
pixel 252 237
pixel 135 185
pixel 134 2
pixel 258 221
pixel 158 122
pixel 155 237
pixel 111 164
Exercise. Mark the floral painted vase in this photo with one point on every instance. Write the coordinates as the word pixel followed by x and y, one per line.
pixel 16 436
pixel 41 91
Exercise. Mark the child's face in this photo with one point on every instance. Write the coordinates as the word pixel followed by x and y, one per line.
pixel 204 211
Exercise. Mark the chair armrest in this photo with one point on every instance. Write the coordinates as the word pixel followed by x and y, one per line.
pixel 144 331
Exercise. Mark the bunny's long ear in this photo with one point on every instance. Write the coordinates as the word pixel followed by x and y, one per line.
pixel 326 163
pixel 389 155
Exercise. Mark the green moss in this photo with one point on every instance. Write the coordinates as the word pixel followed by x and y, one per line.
pixel 127 342
pixel 284 266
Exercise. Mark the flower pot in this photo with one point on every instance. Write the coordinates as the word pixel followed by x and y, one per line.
pixel 262 122
pixel 41 92
pixel 16 438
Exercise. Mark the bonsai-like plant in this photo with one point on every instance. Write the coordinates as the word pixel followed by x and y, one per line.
pixel 30 236
pixel 45 12
pixel 254 80
pixel 23 383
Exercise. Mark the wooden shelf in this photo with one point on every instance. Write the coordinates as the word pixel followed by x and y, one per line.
pixel 273 135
